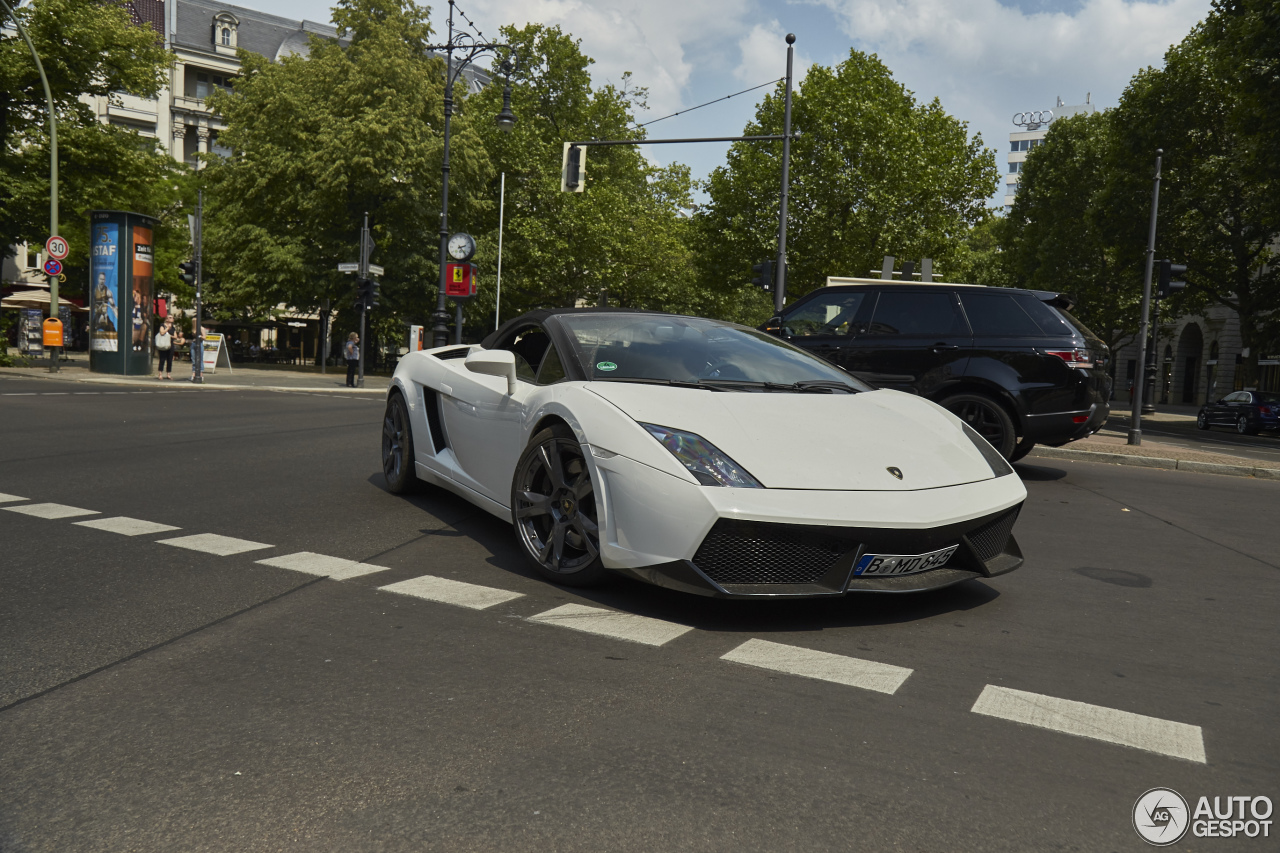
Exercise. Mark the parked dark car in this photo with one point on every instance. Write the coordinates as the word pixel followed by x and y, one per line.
pixel 1014 364
pixel 1246 411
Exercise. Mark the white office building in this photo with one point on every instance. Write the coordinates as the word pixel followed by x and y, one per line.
pixel 1035 125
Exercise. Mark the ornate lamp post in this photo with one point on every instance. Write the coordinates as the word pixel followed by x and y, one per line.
pixel 471 48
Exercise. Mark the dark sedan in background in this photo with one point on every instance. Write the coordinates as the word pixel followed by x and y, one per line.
pixel 1245 411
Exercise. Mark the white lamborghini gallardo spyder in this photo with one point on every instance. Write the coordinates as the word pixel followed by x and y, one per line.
pixel 702 456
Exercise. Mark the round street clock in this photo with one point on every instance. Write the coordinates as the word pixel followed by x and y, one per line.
pixel 462 246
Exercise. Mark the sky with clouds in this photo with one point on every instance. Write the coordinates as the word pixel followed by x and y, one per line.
pixel 984 59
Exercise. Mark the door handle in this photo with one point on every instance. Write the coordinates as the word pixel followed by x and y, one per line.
pixel 943 347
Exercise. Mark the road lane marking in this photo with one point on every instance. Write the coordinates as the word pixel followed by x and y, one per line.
pixel 213 543
pixel 824 666
pixel 454 592
pixel 7 499
pixel 51 510
pixel 20 394
pixel 1152 734
pixel 126 526
pixel 323 565
pixel 610 623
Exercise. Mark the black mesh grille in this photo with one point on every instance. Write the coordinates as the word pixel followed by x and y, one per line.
pixel 990 538
pixel 764 553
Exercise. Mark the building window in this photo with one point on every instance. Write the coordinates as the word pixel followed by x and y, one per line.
pixel 226 36
pixel 1013 146
pixel 1014 168
pixel 1131 369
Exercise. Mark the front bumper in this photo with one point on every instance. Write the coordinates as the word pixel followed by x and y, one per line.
pixel 749 543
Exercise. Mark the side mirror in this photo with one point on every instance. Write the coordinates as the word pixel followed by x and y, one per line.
pixel 494 362
pixel 774 326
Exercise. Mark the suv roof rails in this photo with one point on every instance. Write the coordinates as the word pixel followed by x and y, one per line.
pixel 834 280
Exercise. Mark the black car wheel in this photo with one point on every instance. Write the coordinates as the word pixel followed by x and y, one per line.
pixel 1021 449
pixel 987 417
pixel 1202 421
pixel 553 508
pixel 1244 427
pixel 397 447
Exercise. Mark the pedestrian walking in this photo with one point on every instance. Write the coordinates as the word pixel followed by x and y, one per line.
pixel 197 355
pixel 164 349
pixel 351 352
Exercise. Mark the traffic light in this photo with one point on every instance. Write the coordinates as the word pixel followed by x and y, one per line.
pixel 762 275
pixel 573 169
pixel 188 271
pixel 366 294
pixel 1170 278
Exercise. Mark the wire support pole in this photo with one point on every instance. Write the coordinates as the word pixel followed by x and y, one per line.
pixel 1135 417
pixel 502 209
pixel 461 42
pixel 53 166
pixel 780 283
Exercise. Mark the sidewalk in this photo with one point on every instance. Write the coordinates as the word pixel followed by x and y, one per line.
pixel 261 377
pixel 1116 450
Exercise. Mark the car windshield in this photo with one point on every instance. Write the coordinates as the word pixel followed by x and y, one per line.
pixel 690 350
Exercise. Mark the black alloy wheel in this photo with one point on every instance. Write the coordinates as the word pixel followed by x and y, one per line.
pixel 1243 426
pixel 1202 420
pixel 987 417
pixel 397 447
pixel 553 509
pixel 1021 449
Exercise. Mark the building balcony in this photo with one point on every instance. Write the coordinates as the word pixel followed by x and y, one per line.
pixel 183 103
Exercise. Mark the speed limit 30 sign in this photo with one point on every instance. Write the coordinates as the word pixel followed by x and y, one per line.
pixel 56 247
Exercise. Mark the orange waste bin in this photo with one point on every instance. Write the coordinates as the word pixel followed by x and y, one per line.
pixel 53 332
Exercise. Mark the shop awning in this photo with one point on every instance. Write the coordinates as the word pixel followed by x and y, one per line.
pixel 35 299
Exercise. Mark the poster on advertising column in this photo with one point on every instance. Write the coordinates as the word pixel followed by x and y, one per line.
pixel 140 304
pixel 104 273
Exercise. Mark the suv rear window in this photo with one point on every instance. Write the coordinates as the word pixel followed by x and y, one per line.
pixel 1054 321
pixel 998 314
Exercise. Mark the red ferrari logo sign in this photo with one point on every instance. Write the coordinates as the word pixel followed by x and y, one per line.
pixel 460 280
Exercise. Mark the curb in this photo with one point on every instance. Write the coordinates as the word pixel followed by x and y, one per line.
pixel 1158 462
pixel 151 382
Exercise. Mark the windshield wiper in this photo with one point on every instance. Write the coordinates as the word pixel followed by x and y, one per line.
pixel 811 386
pixel 675 383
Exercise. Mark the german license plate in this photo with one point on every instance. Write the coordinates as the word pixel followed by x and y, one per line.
pixel 902 564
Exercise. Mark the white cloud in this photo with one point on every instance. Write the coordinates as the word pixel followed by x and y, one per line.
pixel 764 52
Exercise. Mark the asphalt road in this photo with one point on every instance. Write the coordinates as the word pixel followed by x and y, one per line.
pixel 157 698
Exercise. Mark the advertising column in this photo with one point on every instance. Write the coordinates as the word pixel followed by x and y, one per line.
pixel 122 279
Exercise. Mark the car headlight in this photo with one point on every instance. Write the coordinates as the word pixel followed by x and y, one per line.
pixel 708 465
pixel 999 466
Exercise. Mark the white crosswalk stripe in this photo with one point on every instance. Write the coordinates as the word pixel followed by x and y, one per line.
pixel 453 592
pixel 610 623
pixel 323 565
pixel 824 666
pixel 8 499
pixel 51 510
pixel 212 543
pixel 1152 734
pixel 126 526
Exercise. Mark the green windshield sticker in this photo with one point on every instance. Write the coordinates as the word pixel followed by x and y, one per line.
pixel 606 366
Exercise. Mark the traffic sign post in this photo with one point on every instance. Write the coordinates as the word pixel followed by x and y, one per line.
pixel 52 268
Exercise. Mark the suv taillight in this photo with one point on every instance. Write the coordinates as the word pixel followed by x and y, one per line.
pixel 1073 357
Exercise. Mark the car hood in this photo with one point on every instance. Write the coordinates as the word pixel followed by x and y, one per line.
pixel 815 441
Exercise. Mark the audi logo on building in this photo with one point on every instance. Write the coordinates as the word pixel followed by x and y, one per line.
pixel 1032 119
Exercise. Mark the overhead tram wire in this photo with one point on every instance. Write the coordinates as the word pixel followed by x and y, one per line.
pixel 709 103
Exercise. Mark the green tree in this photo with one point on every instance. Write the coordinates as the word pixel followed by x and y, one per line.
pixel 320 140
pixel 1077 226
pixel 88 49
pixel 874 172
pixel 624 234
pixel 1214 215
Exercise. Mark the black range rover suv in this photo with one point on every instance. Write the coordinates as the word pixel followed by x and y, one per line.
pixel 1014 364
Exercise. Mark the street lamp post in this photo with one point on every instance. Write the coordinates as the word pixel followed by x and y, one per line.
pixel 506 120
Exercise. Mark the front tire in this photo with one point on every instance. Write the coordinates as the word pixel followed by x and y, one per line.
pixel 554 511
pixel 987 417
pixel 397 447
pixel 1202 421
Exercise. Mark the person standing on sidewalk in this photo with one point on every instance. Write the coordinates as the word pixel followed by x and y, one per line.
pixel 164 349
pixel 351 352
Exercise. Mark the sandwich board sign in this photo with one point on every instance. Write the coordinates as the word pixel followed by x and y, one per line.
pixel 215 350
